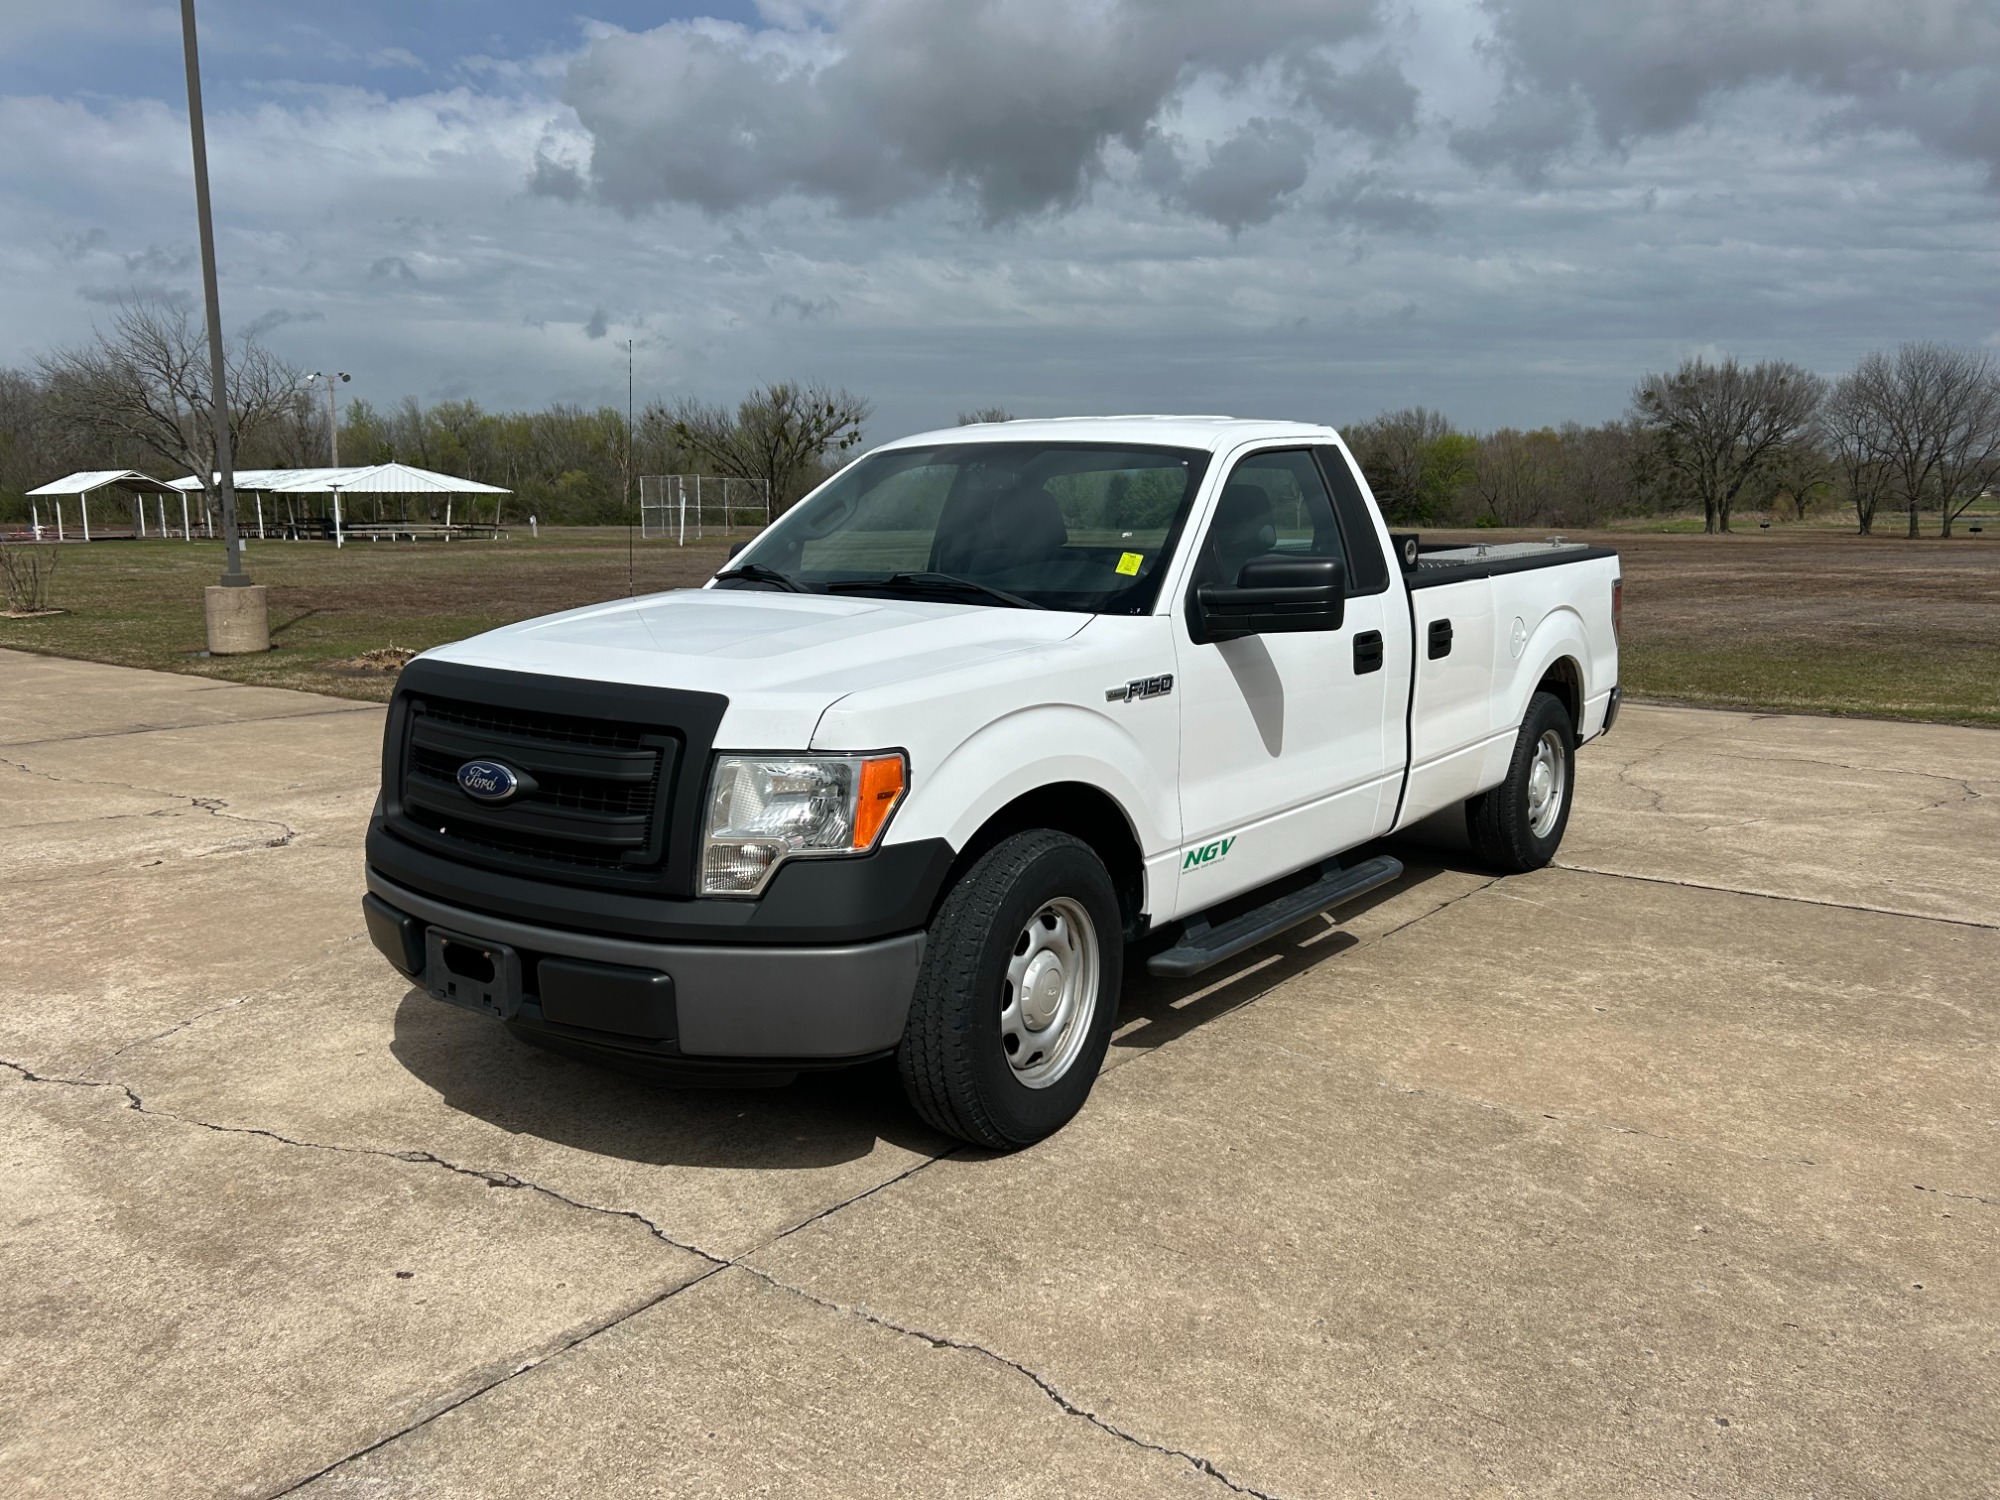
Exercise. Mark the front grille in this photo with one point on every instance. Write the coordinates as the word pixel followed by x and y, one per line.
pixel 596 794
pixel 556 728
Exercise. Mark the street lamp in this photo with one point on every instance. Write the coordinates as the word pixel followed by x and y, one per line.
pixel 238 613
pixel 333 381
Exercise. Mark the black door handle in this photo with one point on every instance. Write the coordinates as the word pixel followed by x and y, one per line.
pixel 1367 652
pixel 1440 639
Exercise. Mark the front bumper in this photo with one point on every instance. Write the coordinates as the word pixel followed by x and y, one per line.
pixel 777 1004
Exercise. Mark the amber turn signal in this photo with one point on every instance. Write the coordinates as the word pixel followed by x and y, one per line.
pixel 881 789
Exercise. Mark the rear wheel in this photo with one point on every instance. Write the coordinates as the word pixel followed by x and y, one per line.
pixel 1518 825
pixel 1017 995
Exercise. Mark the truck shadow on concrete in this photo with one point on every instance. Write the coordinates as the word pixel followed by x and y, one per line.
pixel 1157 1011
pixel 822 1119
pixel 478 1068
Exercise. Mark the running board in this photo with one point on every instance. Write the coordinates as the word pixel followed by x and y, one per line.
pixel 1202 946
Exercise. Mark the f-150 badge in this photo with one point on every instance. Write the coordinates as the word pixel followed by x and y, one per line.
pixel 1140 687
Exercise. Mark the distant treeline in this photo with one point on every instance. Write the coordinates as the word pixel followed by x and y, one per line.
pixel 1915 431
pixel 137 397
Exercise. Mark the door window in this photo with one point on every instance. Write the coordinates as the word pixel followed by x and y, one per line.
pixel 1274 504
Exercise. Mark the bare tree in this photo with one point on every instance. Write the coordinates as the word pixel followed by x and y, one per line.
pixel 144 384
pixel 984 414
pixel 1850 428
pixel 780 434
pixel 1796 474
pixel 25 576
pixel 1515 475
pixel 1717 424
pixel 1924 423
pixel 1415 460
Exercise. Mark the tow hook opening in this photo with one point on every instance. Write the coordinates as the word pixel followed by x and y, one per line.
pixel 468 963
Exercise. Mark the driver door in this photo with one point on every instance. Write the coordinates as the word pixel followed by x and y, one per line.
pixel 1285 759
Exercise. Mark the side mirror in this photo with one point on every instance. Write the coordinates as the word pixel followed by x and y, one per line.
pixel 1272 596
pixel 736 547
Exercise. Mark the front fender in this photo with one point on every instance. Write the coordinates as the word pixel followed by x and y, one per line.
pixel 1035 747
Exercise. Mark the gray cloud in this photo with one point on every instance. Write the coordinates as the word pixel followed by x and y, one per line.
pixel 160 262
pixel 138 291
pixel 803 308
pixel 1014 103
pixel 598 326
pixel 1527 131
pixel 555 179
pixel 74 247
pixel 278 317
pixel 1645 67
pixel 1374 100
pixel 1248 176
pixel 391 267
pixel 1362 199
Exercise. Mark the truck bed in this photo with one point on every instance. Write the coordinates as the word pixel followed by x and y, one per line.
pixel 1456 562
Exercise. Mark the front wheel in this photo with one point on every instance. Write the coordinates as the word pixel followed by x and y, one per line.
pixel 1017 995
pixel 1518 825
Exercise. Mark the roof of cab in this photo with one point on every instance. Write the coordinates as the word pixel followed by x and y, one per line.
pixel 1172 431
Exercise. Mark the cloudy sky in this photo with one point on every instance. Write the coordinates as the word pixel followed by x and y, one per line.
pixel 1305 208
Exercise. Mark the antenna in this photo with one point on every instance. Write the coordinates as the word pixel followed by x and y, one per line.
pixel 630 587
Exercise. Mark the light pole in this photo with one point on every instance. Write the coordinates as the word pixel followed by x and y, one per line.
pixel 332 408
pixel 238 613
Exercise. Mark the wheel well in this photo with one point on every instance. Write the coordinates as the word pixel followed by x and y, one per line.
pixel 1564 678
pixel 1085 813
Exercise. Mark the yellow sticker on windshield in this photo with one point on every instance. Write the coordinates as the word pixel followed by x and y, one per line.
pixel 1129 563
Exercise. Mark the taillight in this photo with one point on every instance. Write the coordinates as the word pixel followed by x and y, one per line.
pixel 1617 606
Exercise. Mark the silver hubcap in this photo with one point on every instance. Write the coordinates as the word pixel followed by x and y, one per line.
pixel 1051 993
pixel 1548 778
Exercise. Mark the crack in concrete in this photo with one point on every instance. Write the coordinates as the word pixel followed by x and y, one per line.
pixel 1963 782
pixel 515 1369
pixel 1628 771
pixel 1731 890
pixel 492 1178
pixel 715 1265
pixel 119 734
pixel 1961 1197
pixel 1485 885
pixel 177 1027
pixel 1047 1387
pixel 217 807
pixel 310 966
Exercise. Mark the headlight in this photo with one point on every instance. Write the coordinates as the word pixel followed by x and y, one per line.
pixel 766 809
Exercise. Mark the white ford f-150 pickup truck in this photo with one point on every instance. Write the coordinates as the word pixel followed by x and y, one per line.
pixel 988 715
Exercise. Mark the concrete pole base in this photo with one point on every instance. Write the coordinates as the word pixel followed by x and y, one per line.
pixel 239 620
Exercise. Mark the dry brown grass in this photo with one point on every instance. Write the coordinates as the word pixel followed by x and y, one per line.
pixel 1801 619
pixel 1811 620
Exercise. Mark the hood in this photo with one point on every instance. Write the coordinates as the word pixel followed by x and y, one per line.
pixel 780 659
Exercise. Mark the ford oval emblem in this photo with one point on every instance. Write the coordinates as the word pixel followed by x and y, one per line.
pixel 487 781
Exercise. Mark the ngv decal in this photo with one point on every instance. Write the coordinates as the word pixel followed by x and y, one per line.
pixel 1207 854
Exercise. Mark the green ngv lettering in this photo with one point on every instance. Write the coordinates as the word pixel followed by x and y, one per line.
pixel 1207 854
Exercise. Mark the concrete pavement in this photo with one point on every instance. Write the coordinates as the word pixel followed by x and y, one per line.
pixel 1671 1170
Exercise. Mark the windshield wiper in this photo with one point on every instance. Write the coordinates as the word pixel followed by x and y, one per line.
pixel 758 573
pixel 932 583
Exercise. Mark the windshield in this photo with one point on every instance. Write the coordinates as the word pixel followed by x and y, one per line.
pixel 1059 525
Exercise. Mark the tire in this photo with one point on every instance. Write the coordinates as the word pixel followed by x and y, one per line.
pixel 1518 825
pixel 1017 994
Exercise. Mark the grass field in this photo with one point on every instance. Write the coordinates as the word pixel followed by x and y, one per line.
pixel 140 603
pixel 1811 619
pixel 1804 619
